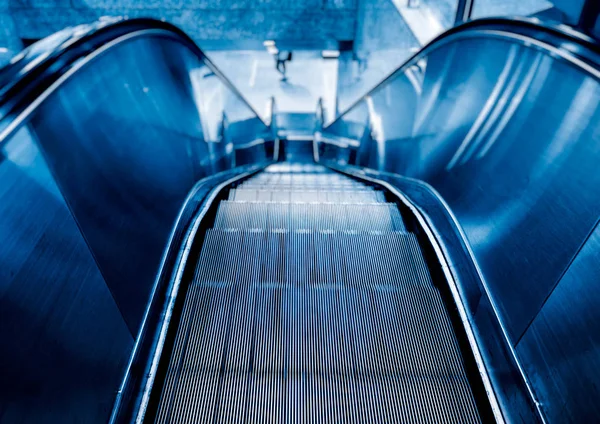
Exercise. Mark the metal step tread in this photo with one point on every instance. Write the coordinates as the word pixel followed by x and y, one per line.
pixel 347 217
pixel 293 178
pixel 326 316
pixel 305 186
pixel 312 303
pixel 283 195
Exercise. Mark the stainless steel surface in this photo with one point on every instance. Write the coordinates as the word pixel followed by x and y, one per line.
pixel 353 217
pixel 132 396
pixel 562 344
pixel 464 10
pixel 509 139
pixel 96 168
pixel 141 137
pixel 510 396
pixel 304 312
pixel 95 171
pixel 301 124
pixel 64 343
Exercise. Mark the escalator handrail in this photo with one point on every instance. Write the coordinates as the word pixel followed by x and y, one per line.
pixel 558 36
pixel 30 74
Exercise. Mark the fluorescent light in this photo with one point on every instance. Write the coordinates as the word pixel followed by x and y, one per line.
pixel 330 54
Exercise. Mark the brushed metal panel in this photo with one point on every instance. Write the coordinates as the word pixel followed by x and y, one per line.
pixel 65 344
pixel 126 138
pixel 561 348
pixel 509 138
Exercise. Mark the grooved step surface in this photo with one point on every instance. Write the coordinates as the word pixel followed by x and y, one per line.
pixel 304 195
pixel 314 312
pixel 287 178
pixel 345 217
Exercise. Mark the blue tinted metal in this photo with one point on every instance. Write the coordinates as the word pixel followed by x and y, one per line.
pixel 140 137
pixel 508 134
pixel 561 349
pixel 94 180
pixel 502 371
pixel 295 124
pixel 65 344
pixel 484 136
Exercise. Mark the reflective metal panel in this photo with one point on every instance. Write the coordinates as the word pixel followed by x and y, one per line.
pixel 127 136
pixel 64 343
pixel 495 141
pixel 509 135
pixel 561 349
pixel 91 185
pixel 502 370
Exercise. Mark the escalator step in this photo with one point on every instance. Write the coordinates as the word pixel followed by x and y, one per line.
pixel 292 258
pixel 312 303
pixel 304 179
pixel 332 196
pixel 324 327
pixel 304 187
pixel 347 217
pixel 296 168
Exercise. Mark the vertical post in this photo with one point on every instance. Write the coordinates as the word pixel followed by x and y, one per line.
pixel 272 117
pixel 319 122
pixel 464 10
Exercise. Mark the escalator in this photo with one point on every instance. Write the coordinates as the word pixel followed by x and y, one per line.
pixel 171 255
pixel 311 302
